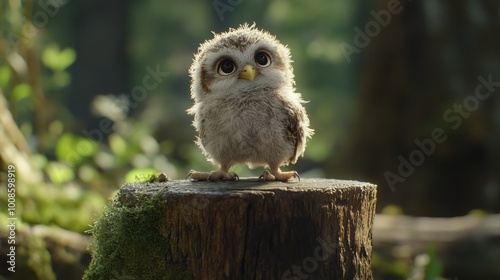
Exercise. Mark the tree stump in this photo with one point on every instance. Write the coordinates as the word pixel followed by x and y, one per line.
pixel 313 229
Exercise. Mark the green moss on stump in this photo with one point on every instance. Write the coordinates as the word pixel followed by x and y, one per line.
pixel 127 241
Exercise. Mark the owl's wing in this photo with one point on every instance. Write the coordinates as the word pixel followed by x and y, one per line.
pixel 198 124
pixel 296 126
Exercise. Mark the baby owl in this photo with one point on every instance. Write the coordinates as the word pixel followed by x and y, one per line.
pixel 246 110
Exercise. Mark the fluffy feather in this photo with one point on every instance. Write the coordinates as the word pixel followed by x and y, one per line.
pixel 257 123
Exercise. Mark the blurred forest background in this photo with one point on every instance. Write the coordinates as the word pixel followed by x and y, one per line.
pixel 381 76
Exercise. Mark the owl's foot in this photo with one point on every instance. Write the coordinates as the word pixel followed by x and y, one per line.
pixel 279 176
pixel 212 176
pixel 221 175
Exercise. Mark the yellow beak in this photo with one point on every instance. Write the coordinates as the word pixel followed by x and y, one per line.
pixel 248 73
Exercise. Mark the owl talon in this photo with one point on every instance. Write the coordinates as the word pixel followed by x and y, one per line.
pixel 236 177
pixel 267 176
pixel 279 176
pixel 212 176
pixel 222 176
pixel 197 176
pixel 296 175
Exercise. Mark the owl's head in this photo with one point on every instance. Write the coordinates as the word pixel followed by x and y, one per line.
pixel 242 59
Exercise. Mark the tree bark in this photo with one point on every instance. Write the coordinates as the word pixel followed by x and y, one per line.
pixel 13 148
pixel 316 228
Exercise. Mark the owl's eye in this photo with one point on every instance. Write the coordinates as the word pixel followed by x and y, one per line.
pixel 263 59
pixel 226 67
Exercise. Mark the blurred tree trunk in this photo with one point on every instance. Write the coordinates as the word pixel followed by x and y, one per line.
pixel 425 60
pixel 467 247
pixel 101 66
pixel 13 148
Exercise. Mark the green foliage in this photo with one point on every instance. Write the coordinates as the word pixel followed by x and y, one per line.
pixel 392 210
pixel 21 91
pixel 59 173
pixel 5 75
pixel 396 268
pixel 426 266
pixel 68 206
pixel 140 175
pixel 56 59
pixel 434 268
pixel 117 144
pixel 73 150
pixel 478 212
